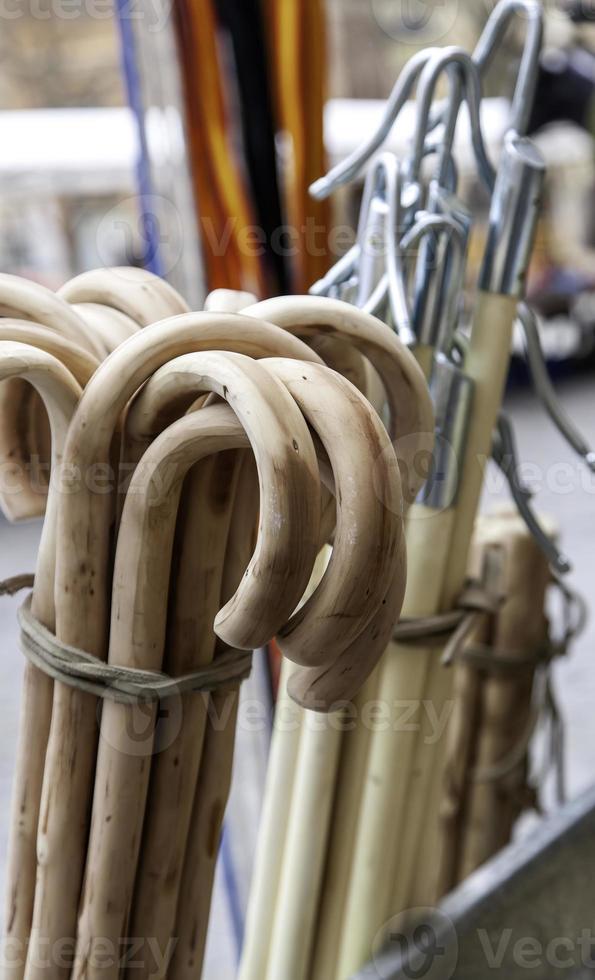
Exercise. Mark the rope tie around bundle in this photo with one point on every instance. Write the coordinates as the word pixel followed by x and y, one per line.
pixel 130 685
pixel 124 685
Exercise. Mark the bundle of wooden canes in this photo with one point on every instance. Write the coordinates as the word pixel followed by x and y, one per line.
pixel 196 474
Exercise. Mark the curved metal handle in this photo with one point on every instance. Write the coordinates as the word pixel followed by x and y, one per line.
pixel 545 389
pixel 492 36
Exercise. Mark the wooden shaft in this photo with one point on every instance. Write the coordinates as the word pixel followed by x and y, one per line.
pixel 137 638
pixel 344 825
pixel 305 847
pixel 211 791
pixel 487 364
pixel 59 393
pixel 494 804
pixel 82 602
pixel 272 835
pixel 202 533
pixel 383 812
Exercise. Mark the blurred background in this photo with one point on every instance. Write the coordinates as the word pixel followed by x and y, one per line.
pixel 182 136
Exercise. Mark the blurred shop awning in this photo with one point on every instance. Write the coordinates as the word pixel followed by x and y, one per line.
pixel 67 152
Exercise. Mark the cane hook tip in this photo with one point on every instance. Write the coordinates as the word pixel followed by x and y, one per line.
pixel 590 461
pixel 563 565
pixel 320 189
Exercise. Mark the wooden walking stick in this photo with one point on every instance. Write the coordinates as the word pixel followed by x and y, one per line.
pixel 206 516
pixel 514 207
pixel 82 600
pixel 406 385
pixel 38 688
pixel 60 393
pixel 513 217
pixel 319 399
pixel 242 383
pixel 212 788
pixel 175 769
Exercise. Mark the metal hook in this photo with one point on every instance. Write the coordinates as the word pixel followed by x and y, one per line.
pixel 380 221
pixel 482 57
pixel 505 455
pixel 349 168
pixel 491 37
pixel 544 388
pixel 465 82
pixel 439 335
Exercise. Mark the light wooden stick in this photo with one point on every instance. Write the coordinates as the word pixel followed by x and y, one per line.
pixel 175 769
pixel 123 765
pixel 403 379
pixel 307 833
pixel 82 601
pixel 60 393
pixel 203 532
pixel 212 788
pixel 284 554
pixel 487 363
pixel 306 385
pixel 344 821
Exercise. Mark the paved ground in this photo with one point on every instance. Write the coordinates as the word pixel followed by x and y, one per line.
pixel 567 492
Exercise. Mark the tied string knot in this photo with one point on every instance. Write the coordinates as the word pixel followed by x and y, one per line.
pixel 125 685
pixel 479 599
pixel 479 602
